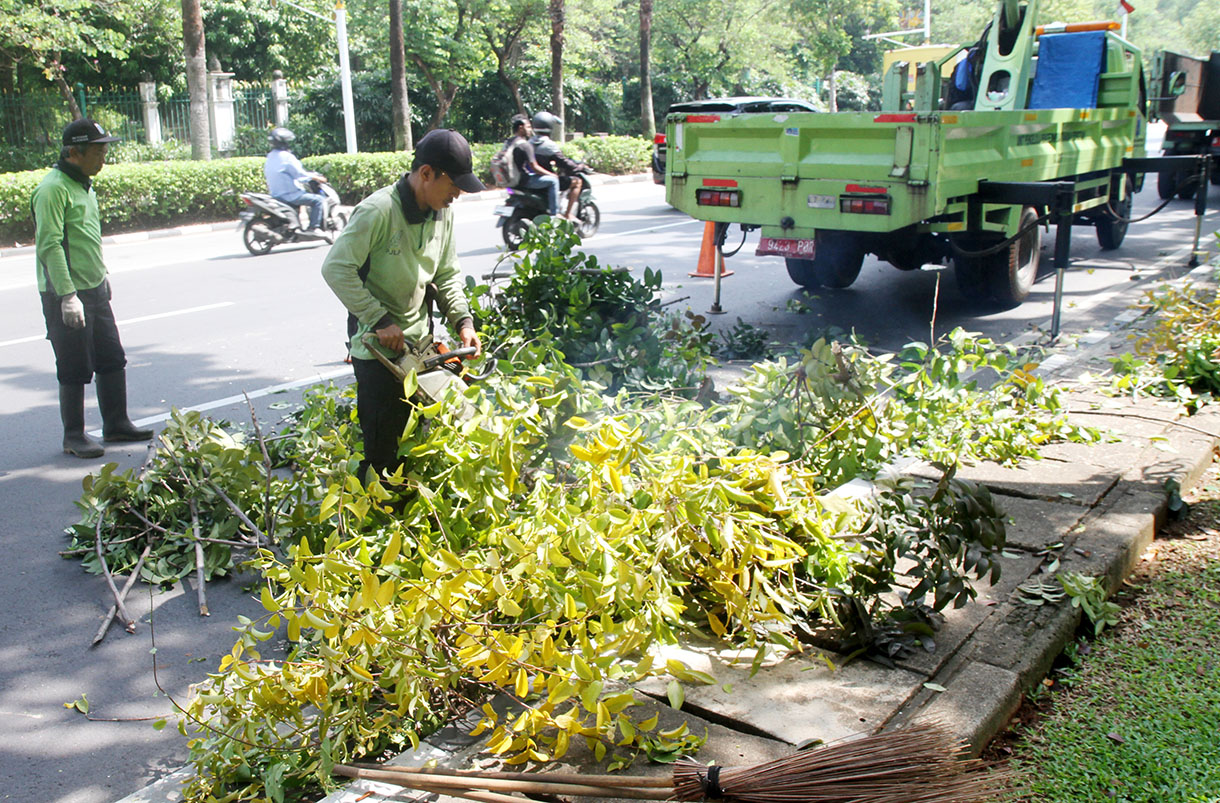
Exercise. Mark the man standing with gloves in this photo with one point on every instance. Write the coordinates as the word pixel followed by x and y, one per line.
pixel 76 293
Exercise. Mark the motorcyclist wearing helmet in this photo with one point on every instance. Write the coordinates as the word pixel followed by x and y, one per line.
pixel 533 175
pixel 282 170
pixel 550 156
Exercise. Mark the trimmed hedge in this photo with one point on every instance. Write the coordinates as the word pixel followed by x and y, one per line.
pixel 150 195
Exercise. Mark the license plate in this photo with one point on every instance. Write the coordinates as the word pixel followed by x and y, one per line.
pixel 782 247
pixel 504 211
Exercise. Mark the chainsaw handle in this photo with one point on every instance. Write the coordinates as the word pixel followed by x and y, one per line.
pixel 456 354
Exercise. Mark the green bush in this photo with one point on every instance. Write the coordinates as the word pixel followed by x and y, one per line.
pixel 614 155
pixel 134 195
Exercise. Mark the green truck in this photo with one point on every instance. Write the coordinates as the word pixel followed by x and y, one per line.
pixel 1186 95
pixel 1034 125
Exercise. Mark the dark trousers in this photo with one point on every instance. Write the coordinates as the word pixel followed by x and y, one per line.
pixel 383 414
pixel 80 353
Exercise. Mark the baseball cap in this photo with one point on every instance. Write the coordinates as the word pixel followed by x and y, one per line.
pixel 85 132
pixel 447 150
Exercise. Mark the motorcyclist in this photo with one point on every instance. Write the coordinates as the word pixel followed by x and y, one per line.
pixel 533 175
pixel 549 155
pixel 282 170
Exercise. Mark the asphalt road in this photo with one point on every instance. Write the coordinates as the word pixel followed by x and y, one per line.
pixel 203 323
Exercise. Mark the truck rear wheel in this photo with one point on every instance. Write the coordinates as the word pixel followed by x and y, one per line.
pixel 837 259
pixel 1166 184
pixel 1111 229
pixel 1006 276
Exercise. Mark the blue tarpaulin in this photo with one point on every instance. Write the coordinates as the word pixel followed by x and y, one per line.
pixel 1069 67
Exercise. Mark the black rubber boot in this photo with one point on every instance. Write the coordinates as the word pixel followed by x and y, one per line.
pixel 72 412
pixel 112 399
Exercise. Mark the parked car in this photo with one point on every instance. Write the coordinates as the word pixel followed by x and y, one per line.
pixel 730 106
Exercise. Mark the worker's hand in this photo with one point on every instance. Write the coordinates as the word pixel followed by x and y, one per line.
pixel 73 311
pixel 391 337
pixel 470 338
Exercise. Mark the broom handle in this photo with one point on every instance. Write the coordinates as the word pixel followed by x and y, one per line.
pixel 436 781
pixel 629 781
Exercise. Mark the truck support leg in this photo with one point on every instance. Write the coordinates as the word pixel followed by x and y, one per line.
pixel 1063 251
pixel 718 237
pixel 1200 210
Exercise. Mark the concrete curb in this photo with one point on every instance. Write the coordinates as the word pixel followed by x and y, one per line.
pixel 206 228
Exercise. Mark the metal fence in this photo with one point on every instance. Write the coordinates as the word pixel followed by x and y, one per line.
pixel 175 114
pixel 32 120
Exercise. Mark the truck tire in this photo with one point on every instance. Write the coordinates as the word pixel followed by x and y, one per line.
pixel 1111 230
pixel 1006 276
pixel 837 259
pixel 1187 186
pixel 1166 184
pixel 1017 266
pixel 801 272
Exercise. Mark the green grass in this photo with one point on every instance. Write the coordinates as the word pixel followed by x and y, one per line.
pixel 1140 719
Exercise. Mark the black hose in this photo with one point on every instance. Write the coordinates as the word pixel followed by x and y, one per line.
pixel 997 248
pixel 739 245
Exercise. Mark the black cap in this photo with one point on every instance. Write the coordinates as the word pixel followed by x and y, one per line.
pixel 85 132
pixel 447 150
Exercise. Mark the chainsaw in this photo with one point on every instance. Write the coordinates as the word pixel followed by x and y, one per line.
pixel 437 370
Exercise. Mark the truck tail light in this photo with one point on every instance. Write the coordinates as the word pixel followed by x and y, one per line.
pixel 658 138
pixel 1216 142
pixel 718 197
pixel 876 205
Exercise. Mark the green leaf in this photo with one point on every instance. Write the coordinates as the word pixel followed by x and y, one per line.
pixel 675 694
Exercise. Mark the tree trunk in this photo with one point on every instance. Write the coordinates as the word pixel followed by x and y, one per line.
pixel 833 91
pixel 557 24
pixel 196 79
pixel 64 89
pixel 398 81
pixel 648 124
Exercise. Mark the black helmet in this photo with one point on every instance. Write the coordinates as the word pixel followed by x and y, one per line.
pixel 545 122
pixel 281 138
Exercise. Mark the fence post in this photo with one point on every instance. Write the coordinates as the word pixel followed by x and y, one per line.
pixel 279 97
pixel 220 110
pixel 80 99
pixel 152 116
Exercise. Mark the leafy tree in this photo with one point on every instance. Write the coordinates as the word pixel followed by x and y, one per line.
pixel 253 38
pixel 510 27
pixel 446 48
pixel 42 35
pixel 722 46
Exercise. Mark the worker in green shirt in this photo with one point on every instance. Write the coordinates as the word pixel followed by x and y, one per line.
pixel 399 240
pixel 76 293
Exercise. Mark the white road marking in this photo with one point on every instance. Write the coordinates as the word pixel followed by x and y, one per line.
pixel 251 394
pixel 644 230
pixel 129 321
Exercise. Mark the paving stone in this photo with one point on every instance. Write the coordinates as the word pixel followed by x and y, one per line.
pixel 1034 524
pixel 1024 639
pixel 976 704
pixel 961 623
pixel 1038 479
pixel 794 700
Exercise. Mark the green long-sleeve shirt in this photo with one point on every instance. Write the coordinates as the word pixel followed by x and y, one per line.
pixel 403 257
pixel 67 233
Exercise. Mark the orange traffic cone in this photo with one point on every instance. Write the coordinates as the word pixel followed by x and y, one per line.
pixel 708 255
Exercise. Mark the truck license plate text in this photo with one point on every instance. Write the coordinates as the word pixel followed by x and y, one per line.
pixel 781 247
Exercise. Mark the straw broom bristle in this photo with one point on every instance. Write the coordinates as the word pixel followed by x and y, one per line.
pixel 920 764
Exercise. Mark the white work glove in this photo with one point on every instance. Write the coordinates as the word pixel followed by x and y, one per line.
pixel 73 311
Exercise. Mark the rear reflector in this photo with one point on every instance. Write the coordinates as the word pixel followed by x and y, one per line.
pixel 1216 142
pixel 894 118
pixel 718 197
pixel 703 118
pixel 865 206
pixel 719 182
pixel 658 138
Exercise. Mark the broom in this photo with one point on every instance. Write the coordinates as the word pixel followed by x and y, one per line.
pixel 919 764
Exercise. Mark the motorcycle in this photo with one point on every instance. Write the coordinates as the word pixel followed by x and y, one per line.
pixel 267 222
pixel 523 206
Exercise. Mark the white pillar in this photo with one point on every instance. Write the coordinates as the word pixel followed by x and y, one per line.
pixel 152 116
pixel 279 98
pixel 345 77
pixel 221 113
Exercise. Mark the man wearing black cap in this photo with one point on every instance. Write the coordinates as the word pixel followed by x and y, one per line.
pixel 76 293
pixel 399 240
